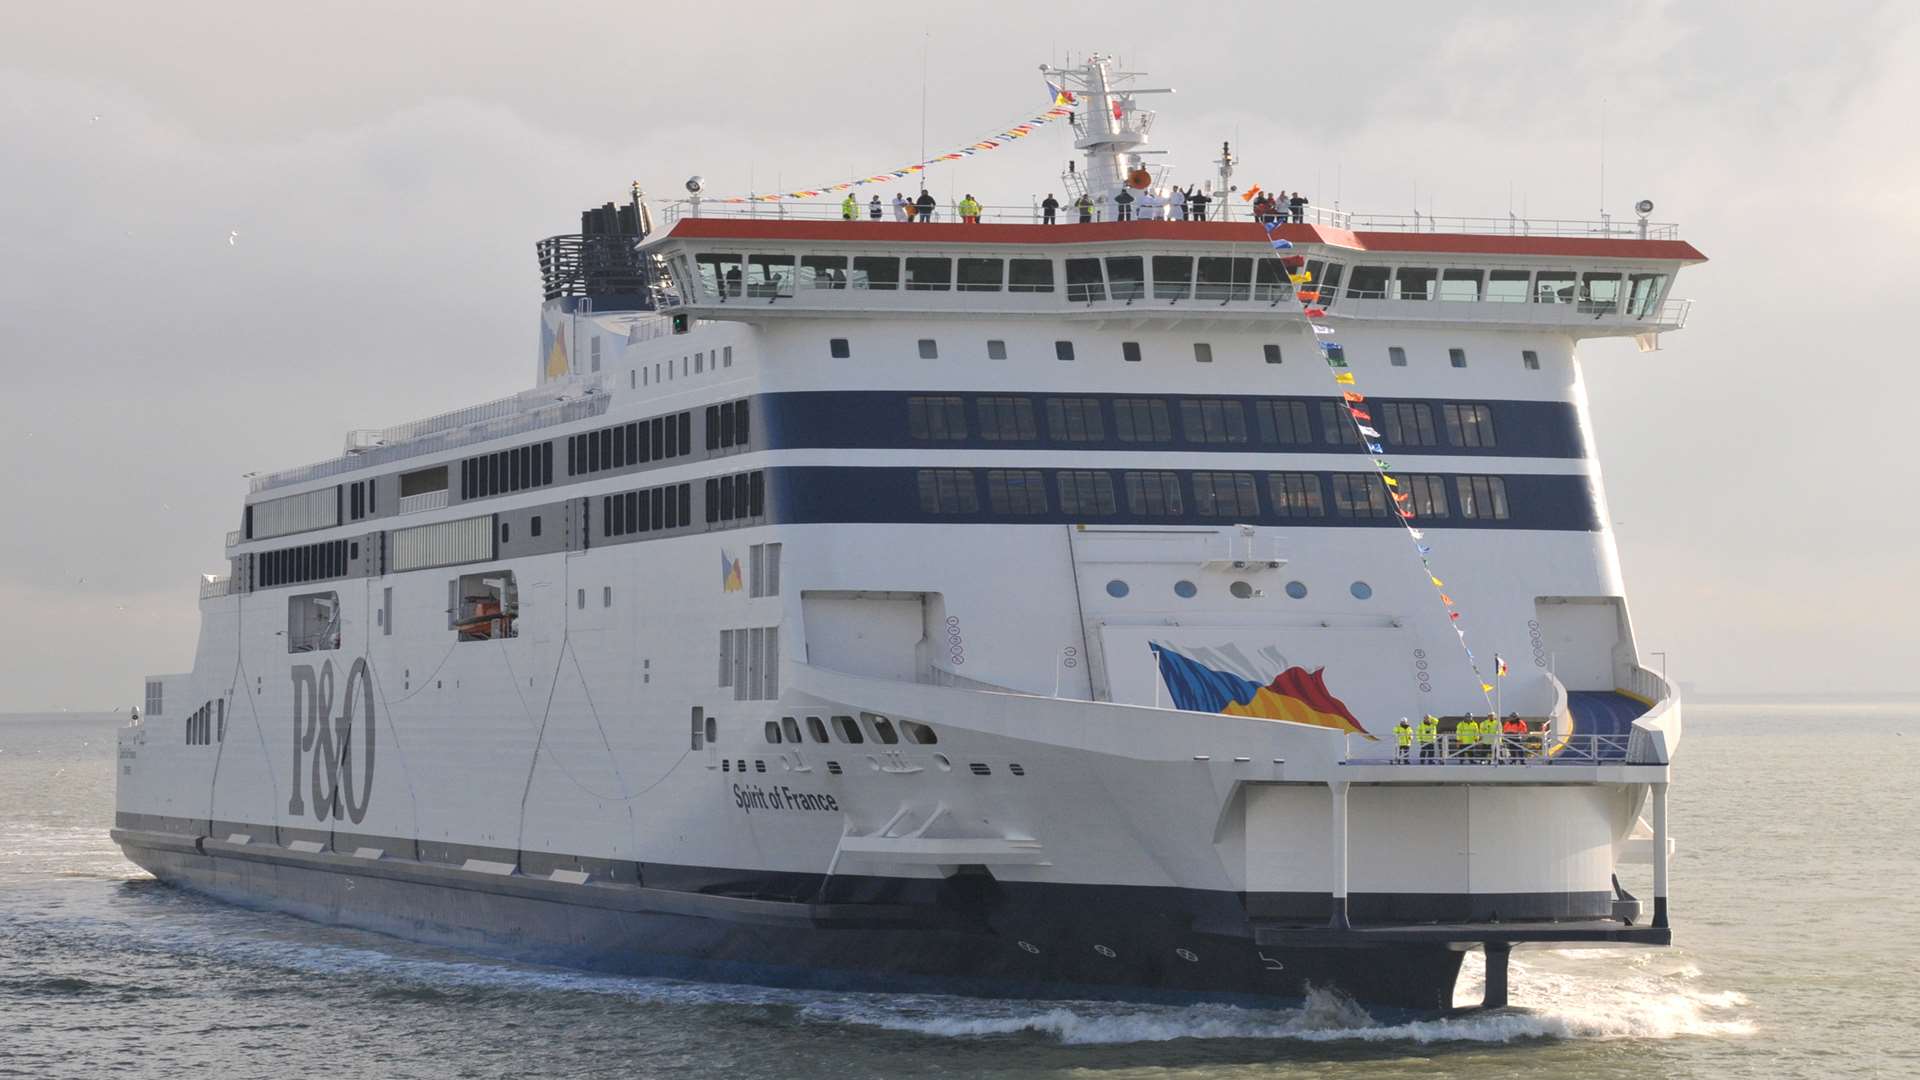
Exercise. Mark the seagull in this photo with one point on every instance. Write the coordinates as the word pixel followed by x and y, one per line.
pixel 233 238
pixel 95 119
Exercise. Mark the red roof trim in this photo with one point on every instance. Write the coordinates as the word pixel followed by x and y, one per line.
pixel 1107 232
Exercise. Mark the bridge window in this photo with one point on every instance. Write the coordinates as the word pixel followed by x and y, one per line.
pixel 1086 492
pixel 1482 497
pixel 1283 423
pixel 1469 425
pixel 929 274
pixel 1084 282
pixel 1643 293
pixel 1075 420
pixel 313 622
pixel 919 734
pixel 1369 283
pixel 1270 281
pixel 1153 494
pixel 1600 293
pixel 1016 491
pixel 1172 277
pixel 1553 287
pixel 1407 423
pixel 981 275
pixel 719 274
pixel 1296 495
pixel 942 419
pixel 1414 283
pixel 1212 420
pixel 948 491
pixel 1359 495
pixel 1508 286
pixel 1223 278
pixel 1030 275
pixel 1127 276
pixel 823 272
pixel 1460 285
pixel 1005 419
pixel 486 606
pixel 1141 420
pixel 878 272
pixel 1226 494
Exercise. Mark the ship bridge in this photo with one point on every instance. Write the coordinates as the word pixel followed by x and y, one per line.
pixel 1584 279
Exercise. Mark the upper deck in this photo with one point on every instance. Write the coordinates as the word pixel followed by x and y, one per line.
pixel 1588 278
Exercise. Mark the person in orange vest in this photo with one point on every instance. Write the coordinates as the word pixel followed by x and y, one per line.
pixel 1515 732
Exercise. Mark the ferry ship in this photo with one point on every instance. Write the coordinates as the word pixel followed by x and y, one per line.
pixel 992 607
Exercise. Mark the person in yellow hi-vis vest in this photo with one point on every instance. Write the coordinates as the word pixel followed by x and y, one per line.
pixel 1429 735
pixel 970 210
pixel 850 209
pixel 1403 742
pixel 1465 731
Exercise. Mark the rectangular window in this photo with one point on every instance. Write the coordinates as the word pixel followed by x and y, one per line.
pixel 1283 423
pixel 1141 420
pixel 1359 495
pixel 742 423
pixel 1172 277
pixel 941 419
pixel 996 349
pixel 1414 283
pixel 1529 359
pixel 837 348
pixel 770 667
pixel 1222 278
pixel 1368 283
pixel 1226 494
pixel 823 272
pixel 698 723
pixel 1063 350
pixel 1295 495
pixel 763 565
pixel 929 349
pixel 1426 495
pixel 1075 420
pixel 948 491
pixel 1212 421
pixel 1482 497
pixel 1457 357
pixel 1030 275
pixel 1469 426
pixel 929 274
pixel 880 272
pixel 1396 356
pixel 1127 276
pixel 1202 353
pixel 1085 492
pixel 1553 287
pixel 1005 419
pixel 1016 491
pixel 1508 286
pixel 1460 285
pixel 980 275
pixel 1153 494
pixel 741 661
pixel 1272 353
pixel 1336 426
pixel 486 606
pixel 1600 294
pixel 726 661
pixel 1130 351
pixel 313 622
pixel 1084 282
pixel 1406 423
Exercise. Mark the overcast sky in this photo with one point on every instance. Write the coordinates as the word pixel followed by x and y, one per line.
pixel 387 167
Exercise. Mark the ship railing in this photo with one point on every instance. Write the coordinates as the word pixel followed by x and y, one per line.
pixel 1230 209
pixel 939 676
pixel 233 537
pixel 215 585
pixel 480 429
pixel 1538 748
pixel 426 500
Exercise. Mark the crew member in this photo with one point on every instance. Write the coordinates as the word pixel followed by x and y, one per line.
pixel 1463 732
pixel 1298 204
pixel 1429 733
pixel 874 210
pixel 1197 205
pixel 1179 204
pixel 1403 742
pixel 970 210
pixel 925 205
pixel 1084 204
pixel 902 209
pixel 1048 207
pixel 1515 732
pixel 850 208
pixel 1123 206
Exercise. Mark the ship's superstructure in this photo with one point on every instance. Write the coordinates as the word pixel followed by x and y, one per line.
pixel 998 608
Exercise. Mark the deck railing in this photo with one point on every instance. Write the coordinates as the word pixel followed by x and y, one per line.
pixel 1534 749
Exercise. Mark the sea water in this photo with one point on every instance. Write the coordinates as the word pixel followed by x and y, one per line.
pixel 1796 906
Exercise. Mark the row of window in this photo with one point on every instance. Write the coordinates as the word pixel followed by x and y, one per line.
pixel 1203 421
pixel 869 727
pixel 728 425
pixel 668 506
pixel 763 570
pixel 634 443
pixel 360 499
pixel 1218 495
pixel 736 497
pixel 929 349
pixel 207 724
pixel 772 276
pixel 505 471
pixel 308 562
pixel 750 662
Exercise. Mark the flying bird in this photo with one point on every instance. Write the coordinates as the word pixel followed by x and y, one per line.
pixel 233 238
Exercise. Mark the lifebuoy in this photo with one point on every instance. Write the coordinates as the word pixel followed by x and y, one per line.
pixel 1139 179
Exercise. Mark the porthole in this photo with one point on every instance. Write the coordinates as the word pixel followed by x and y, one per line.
pixel 1185 590
pixel 1297 590
pixel 1241 590
pixel 1117 588
pixel 1361 590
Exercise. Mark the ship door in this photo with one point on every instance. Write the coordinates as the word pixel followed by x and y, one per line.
pixel 879 635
